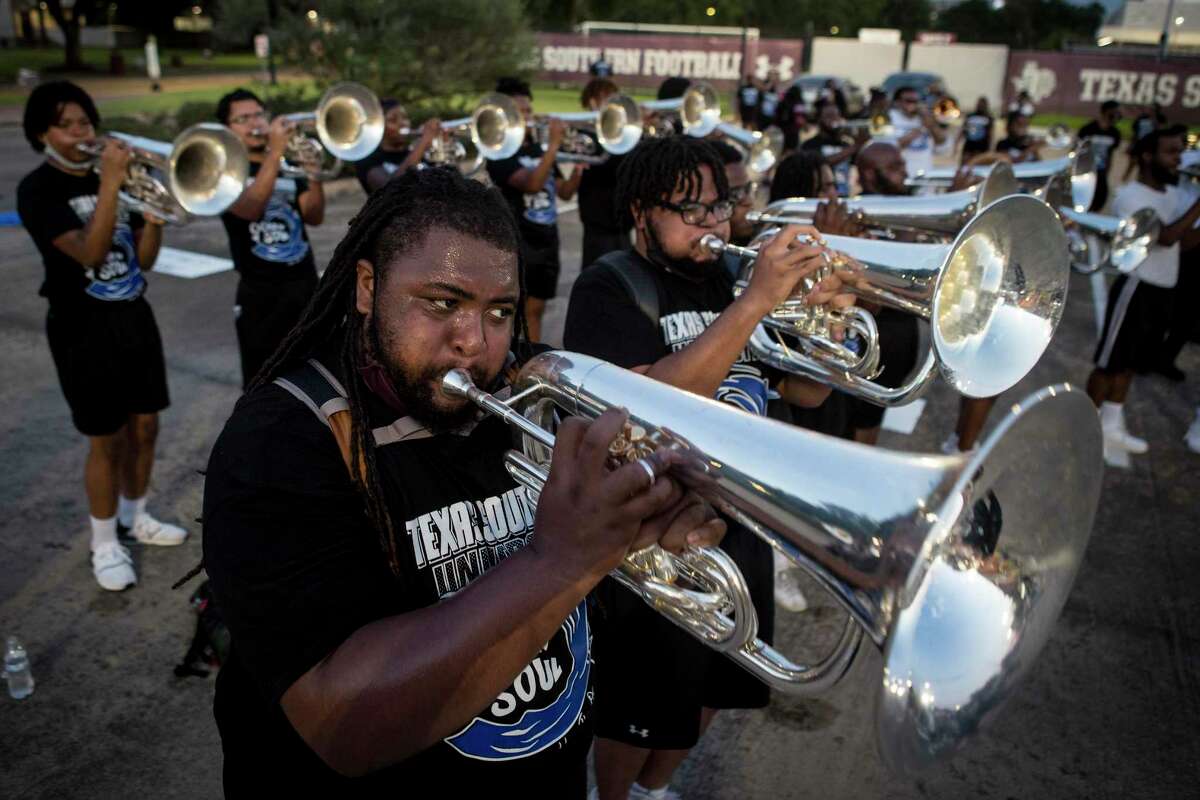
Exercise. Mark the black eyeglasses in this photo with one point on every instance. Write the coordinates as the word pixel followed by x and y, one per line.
pixel 693 213
pixel 738 194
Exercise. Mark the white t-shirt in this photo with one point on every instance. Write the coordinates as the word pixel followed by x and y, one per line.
pixel 1161 267
pixel 918 155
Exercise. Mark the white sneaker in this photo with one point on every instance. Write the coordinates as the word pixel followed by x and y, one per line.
pixel 1123 439
pixel 787 591
pixel 1192 437
pixel 1115 455
pixel 950 446
pixel 113 567
pixel 147 530
pixel 639 792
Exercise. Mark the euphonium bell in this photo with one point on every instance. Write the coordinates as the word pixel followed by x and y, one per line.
pixel 348 124
pixel 1113 244
pixel 498 129
pixel 699 109
pixel 936 215
pixel 762 149
pixel 956 567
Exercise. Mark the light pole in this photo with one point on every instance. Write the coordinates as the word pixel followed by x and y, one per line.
pixel 1163 42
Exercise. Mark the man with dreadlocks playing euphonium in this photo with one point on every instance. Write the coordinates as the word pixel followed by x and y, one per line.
pixel 397 623
pixel 666 309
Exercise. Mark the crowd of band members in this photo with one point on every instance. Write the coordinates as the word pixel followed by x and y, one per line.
pixel 267 230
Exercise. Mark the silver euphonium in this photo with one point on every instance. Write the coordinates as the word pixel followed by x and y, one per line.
pixel 936 215
pixel 993 299
pixel 955 566
pixel 762 149
pixel 202 171
pixel 347 125
pixel 498 129
pixel 1101 242
pixel 698 110
pixel 1079 166
pixel 453 147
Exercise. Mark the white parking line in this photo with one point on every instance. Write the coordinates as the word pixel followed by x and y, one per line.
pixel 186 264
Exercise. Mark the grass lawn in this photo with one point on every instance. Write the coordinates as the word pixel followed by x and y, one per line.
pixel 1125 126
pixel 192 61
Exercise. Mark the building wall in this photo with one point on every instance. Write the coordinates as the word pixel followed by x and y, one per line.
pixel 970 70
pixel 866 64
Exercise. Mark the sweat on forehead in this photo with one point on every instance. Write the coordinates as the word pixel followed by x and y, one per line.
pixel 441 253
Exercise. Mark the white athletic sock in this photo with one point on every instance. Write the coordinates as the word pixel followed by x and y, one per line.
pixel 104 531
pixel 1111 415
pixel 656 794
pixel 129 510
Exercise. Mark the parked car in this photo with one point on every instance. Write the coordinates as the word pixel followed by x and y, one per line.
pixel 811 85
pixel 921 81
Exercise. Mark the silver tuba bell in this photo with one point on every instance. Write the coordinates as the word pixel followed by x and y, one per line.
pixel 956 567
pixel 762 149
pixel 201 172
pixel 936 215
pixel 348 126
pixel 993 299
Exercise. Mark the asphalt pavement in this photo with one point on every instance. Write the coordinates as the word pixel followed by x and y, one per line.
pixel 1111 710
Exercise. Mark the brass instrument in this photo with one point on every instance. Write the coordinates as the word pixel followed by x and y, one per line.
pixel 347 126
pixel 453 148
pixel 1189 163
pixel 993 299
pixel 956 567
pixel 762 149
pixel 1112 244
pixel 932 216
pixel 1079 166
pixel 946 111
pixel 498 129
pixel 878 125
pixel 202 172
pixel 698 110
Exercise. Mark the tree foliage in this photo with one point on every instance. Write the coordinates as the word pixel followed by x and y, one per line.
pixel 1022 24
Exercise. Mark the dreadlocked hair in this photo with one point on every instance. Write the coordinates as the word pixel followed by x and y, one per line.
pixel 395 219
pixel 659 167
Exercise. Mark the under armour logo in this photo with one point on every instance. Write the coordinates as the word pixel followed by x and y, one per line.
pixel 642 732
pixel 763 67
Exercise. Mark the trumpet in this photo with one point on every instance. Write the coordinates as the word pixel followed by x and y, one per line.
pixel 956 567
pixel 347 125
pixel 993 299
pixel 931 216
pixel 203 171
pixel 1079 166
pixel 698 109
pixel 1121 244
pixel 498 129
pixel 762 149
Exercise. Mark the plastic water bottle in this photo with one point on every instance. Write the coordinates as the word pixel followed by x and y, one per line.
pixel 16 669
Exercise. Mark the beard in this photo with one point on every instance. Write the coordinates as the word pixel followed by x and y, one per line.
pixel 685 266
pixel 417 389
pixel 1163 174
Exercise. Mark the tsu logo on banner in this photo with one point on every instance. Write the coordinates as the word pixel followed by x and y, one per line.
pixel 1039 82
pixel 763 67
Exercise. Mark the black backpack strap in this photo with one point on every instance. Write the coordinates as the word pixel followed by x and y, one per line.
pixel 637 280
pixel 315 386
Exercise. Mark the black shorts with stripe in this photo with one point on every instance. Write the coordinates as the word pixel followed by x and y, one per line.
pixel 1135 325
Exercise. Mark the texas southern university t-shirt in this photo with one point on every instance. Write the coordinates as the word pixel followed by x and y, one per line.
pixel 536 212
pixel 52 202
pixel 274 246
pixel 296 569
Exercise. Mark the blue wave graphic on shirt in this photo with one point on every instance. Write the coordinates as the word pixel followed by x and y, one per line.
pixel 747 392
pixel 539 728
pixel 122 258
pixel 279 235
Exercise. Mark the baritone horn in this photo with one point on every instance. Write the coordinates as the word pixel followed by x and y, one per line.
pixel 955 566
pixel 453 147
pixel 347 126
pixel 201 172
pixel 993 299
pixel 762 149
pixel 1100 242
pixel 936 216
pixel 498 129
pixel 698 109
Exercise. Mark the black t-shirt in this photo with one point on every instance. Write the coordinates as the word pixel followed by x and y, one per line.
pixel 390 160
pixel 604 321
pixel 597 190
pixel 52 202
pixel 829 146
pixel 274 247
pixel 1104 143
pixel 1014 146
pixel 977 133
pixel 536 213
pixel 296 569
pixel 748 96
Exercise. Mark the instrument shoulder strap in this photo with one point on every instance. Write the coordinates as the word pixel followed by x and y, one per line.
pixel 316 387
pixel 637 279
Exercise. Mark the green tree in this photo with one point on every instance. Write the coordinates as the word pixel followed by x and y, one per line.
pixel 70 18
pixel 1023 24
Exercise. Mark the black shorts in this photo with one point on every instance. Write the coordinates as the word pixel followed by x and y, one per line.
pixel 1135 325
pixel 264 313
pixel 109 358
pixel 541 268
pixel 898 342
pixel 652 678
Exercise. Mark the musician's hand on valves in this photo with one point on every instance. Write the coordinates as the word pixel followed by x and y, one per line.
pixel 834 218
pixel 689 522
pixel 589 514
pixel 431 129
pixel 782 263
pixel 278 134
pixel 557 131
pixel 114 161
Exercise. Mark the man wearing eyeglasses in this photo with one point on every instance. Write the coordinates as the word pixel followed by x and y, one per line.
pixel 267 235
pixel 666 309
pixel 916 131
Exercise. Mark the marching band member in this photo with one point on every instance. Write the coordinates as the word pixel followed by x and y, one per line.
pixel 102 333
pixel 837 147
pixel 694 338
pixel 400 614
pixel 976 133
pixel 394 156
pixel 267 235
pixel 532 184
pixel 916 131
pixel 604 230
pixel 1139 304
pixel 1105 137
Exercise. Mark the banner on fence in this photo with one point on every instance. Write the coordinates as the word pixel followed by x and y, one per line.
pixel 1069 83
pixel 646 60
